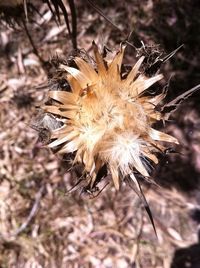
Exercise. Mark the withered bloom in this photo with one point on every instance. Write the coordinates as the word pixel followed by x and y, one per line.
pixel 107 119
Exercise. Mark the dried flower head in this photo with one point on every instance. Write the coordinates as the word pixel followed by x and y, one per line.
pixel 106 118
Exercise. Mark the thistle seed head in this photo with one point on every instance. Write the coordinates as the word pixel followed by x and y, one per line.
pixel 107 119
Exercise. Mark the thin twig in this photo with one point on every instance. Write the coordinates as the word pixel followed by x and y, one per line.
pixel 32 43
pixel 32 213
pixel 103 15
pixel 98 10
pixel 74 23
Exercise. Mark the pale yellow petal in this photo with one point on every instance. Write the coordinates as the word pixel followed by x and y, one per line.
pixel 135 182
pixel 63 139
pixel 139 166
pixel 57 110
pixel 114 68
pixel 79 76
pixel 131 76
pixel 150 81
pixel 63 96
pixel 160 136
pixel 142 83
pixel 75 86
pixel 64 130
pixel 115 176
pixel 99 61
pixel 157 99
pixel 151 156
pixel 70 147
pixel 86 69
pixel 51 109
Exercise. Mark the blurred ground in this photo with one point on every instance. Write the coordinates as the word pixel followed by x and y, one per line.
pixel 41 226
